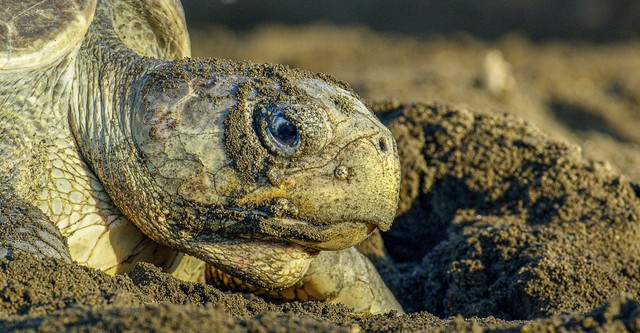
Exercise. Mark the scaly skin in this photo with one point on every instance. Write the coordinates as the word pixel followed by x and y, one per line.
pixel 135 158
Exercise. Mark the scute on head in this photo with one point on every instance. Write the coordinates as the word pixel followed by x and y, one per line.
pixel 179 130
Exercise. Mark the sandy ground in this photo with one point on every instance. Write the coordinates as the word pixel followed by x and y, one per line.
pixel 522 221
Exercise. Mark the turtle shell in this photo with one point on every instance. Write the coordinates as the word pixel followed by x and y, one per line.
pixel 35 34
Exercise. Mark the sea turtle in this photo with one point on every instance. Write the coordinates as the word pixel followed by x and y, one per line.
pixel 135 152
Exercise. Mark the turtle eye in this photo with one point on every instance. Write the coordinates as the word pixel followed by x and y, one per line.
pixel 283 131
pixel 278 129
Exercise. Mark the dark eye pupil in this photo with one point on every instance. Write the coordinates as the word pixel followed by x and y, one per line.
pixel 284 131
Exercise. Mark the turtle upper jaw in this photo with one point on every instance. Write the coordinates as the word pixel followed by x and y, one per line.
pixel 334 237
pixel 313 236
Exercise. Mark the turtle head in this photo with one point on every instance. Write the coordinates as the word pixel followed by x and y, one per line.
pixel 251 160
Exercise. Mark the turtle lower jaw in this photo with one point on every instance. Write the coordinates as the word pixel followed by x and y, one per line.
pixel 264 263
pixel 274 252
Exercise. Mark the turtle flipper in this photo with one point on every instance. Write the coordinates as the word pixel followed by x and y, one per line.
pixel 153 28
pixel 24 228
pixel 348 277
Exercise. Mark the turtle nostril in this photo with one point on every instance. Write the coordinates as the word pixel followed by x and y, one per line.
pixel 383 144
pixel 341 172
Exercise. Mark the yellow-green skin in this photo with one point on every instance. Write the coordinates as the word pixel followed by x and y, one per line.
pixel 135 156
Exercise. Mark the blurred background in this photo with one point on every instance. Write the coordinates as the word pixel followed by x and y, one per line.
pixel 570 67
pixel 594 20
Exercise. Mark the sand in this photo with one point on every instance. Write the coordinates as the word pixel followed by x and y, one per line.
pixel 526 221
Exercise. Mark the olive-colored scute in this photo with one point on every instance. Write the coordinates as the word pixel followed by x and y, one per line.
pixel 178 129
pixel 37 33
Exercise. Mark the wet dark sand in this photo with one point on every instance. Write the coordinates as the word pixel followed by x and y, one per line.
pixel 502 224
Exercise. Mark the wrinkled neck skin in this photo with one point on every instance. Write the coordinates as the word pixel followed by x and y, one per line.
pixel 30 113
pixel 40 160
pixel 99 117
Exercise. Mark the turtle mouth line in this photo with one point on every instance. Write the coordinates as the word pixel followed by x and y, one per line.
pixel 326 236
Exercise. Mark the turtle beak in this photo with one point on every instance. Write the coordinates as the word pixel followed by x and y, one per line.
pixel 364 192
